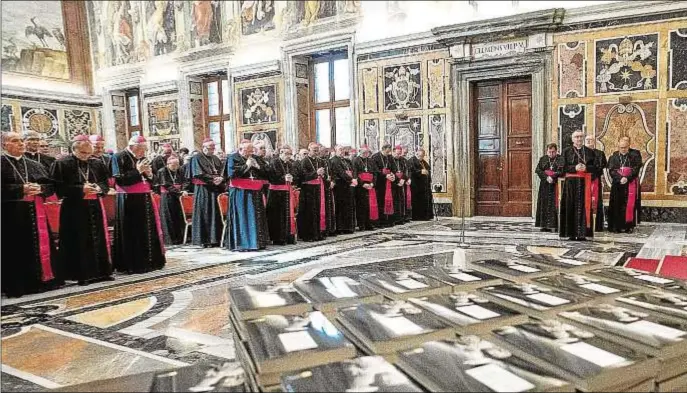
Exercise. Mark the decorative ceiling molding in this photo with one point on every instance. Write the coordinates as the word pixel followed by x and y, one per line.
pixel 22 93
pixel 405 41
pixel 257 68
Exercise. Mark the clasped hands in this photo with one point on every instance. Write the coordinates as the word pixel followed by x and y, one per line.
pixel 251 162
pixel 424 172
pixel 91 188
pixel 549 179
pixel 354 183
pixel 390 177
pixel 580 167
pixel 289 178
pixel 320 171
pixel 367 186
pixel 217 180
pixel 143 167
pixel 623 180
pixel 31 189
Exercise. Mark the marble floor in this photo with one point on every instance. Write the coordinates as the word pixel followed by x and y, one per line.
pixel 180 315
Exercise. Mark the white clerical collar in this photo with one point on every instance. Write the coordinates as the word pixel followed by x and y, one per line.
pixel 16 158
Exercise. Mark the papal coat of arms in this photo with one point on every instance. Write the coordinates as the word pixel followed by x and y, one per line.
pixel 402 87
pixel 626 66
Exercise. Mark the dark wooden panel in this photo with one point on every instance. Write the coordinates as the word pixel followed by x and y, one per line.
pixel 519 164
pixel 488 118
pixel 488 90
pixel 487 132
pixel 517 170
pixel 523 88
pixel 519 116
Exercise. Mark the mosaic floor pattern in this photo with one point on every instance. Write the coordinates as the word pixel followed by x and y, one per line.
pixel 180 315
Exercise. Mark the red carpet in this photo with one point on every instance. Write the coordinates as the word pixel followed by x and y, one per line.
pixel 674 267
pixel 647 265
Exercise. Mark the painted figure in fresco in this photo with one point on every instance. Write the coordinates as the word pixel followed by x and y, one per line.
pixel 122 33
pixel 203 18
pixel 161 27
pixel 256 13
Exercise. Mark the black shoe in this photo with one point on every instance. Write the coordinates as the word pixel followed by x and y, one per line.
pixel 545 230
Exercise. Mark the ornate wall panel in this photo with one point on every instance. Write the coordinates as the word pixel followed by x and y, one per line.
pixel 571 117
pixel 572 60
pixel 163 119
pixel 41 120
pixel 677 72
pixel 438 152
pixel 7 118
pixel 676 163
pixel 120 128
pixel 371 136
pixel 197 121
pixel 435 82
pixel 258 106
pixel 369 90
pixel 407 133
pixel 77 122
pixel 402 87
pixel 303 107
pixel 625 64
pixel 636 121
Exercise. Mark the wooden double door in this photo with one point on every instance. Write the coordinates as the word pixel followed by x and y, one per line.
pixel 502 128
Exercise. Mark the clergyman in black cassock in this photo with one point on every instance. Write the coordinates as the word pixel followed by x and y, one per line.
pixel 32 139
pixel 281 219
pixel 312 223
pixel 398 168
pixel 170 183
pixel 408 189
pixel 576 211
pixel 549 169
pixel 99 154
pixel 384 185
pixel 624 170
pixel 638 158
pixel 81 182
pixel 209 184
pixel 345 181
pixel 330 204
pixel 598 183
pixel 28 256
pixel 138 245
pixel 246 218
pixel 421 187
pixel 160 161
pixel 367 213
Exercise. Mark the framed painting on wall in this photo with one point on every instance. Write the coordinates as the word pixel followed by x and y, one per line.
pixel 259 105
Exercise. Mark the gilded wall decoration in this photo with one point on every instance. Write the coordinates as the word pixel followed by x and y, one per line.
pixel 120 128
pixel 43 121
pixel 437 153
pixel 163 118
pixel 257 16
pixel 77 122
pixel 371 137
pixel 269 137
pixel 676 162
pixel 402 87
pixel 370 93
pixel 626 64
pixel 7 119
pixel 206 22
pixel 197 120
pixel 303 116
pixel 571 118
pixel 259 105
pixel 636 121
pixel 407 133
pixel 677 52
pixel 308 12
pixel 118 100
pixel 161 26
pixel 33 39
pixel 572 62
pixel 175 142
pixel 435 83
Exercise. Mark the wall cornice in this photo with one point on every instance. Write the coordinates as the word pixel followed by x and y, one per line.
pixel 405 41
pixel 20 93
pixel 257 68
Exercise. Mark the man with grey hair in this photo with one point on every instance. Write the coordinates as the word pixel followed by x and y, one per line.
pixel 576 210
pixel 170 183
pixel 209 182
pixel 138 242
pixel 421 187
pixel 345 180
pixel 81 182
pixel 28 263
pixel 637 157
pixel 281 209
pixel 32 139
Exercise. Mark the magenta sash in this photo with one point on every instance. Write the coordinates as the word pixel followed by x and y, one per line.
pixel 409 197
pixel 111 182
pixel 388 196
pixel 198 182
pixel 374 212
pixel 631 194
pixel 247 184
pixel 595 193
pixel 287 187
pixel 323 207
pixel 158 225
pixel 43 237
pixel 52 198
pixel 552 175
pixel 138 188
pixel 107 234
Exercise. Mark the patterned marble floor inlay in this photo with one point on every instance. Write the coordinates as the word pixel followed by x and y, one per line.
pixel 180 315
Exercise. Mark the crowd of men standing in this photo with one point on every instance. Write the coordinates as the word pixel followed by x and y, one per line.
pixel 576 209
pixel 276 199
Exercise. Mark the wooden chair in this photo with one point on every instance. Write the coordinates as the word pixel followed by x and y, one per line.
pixel 223 203
pixel 187 209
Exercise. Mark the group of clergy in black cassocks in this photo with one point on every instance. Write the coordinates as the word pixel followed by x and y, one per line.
pixel 278 200
pixel 578 211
